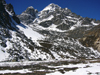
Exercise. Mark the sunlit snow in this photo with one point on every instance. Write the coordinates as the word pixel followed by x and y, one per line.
pixel 43 20
pixel 15 71
pixel 30 33
pixel 3 54
pixel 94 69
pixel 51 7
pixel 94 23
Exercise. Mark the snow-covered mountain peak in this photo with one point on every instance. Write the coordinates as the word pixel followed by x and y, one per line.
pixel 52 4
pixel 51 7
pixel 29 10
pixel 31 7
pixel 66 8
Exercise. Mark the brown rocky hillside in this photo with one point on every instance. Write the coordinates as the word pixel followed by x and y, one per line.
pixel 92 38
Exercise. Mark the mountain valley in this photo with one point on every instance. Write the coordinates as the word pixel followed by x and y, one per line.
pixel 54 34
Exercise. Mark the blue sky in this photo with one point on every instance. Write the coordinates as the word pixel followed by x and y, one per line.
pixel 84 8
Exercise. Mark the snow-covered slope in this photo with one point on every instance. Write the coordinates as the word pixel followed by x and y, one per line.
pixel 51 7
pixel 82 70
pixel 17 41
pixel 3 55
pixel 30 33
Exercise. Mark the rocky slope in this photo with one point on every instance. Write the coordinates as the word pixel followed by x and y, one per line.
pixel 51 34
pixel 14 45
pixel 28 15
pixel 92 38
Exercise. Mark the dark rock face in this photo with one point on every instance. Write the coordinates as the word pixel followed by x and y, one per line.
pixel 63 26
pixel 16 19
pixel 5 19
pixel 28 15
pixel 86 21
pixel 30 10
pixel 3 1
pixel 9 7
pixel 1 6
pixel 46 23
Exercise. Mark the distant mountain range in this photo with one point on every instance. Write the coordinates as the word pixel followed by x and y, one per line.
pixel 54 33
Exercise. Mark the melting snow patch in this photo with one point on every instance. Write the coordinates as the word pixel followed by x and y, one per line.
pixel 3 54
pixel 43 20
pixel 76 25
pixel 94 23
pixel 53 27
pixel 15 71
pixel 93 69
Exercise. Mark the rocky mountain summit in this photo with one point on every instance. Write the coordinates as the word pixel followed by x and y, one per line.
pixel 28 15
pixel 54 33
pixel 58 23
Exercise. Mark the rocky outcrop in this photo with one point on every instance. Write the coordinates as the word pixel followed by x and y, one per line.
pixel 92 38
pixel 28 15
pixel 16 19
pixel 10 9
pixel 5 19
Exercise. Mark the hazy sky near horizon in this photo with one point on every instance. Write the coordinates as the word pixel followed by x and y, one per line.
pixel 84 8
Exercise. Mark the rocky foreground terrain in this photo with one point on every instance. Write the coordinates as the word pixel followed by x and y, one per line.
pixel 63 67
